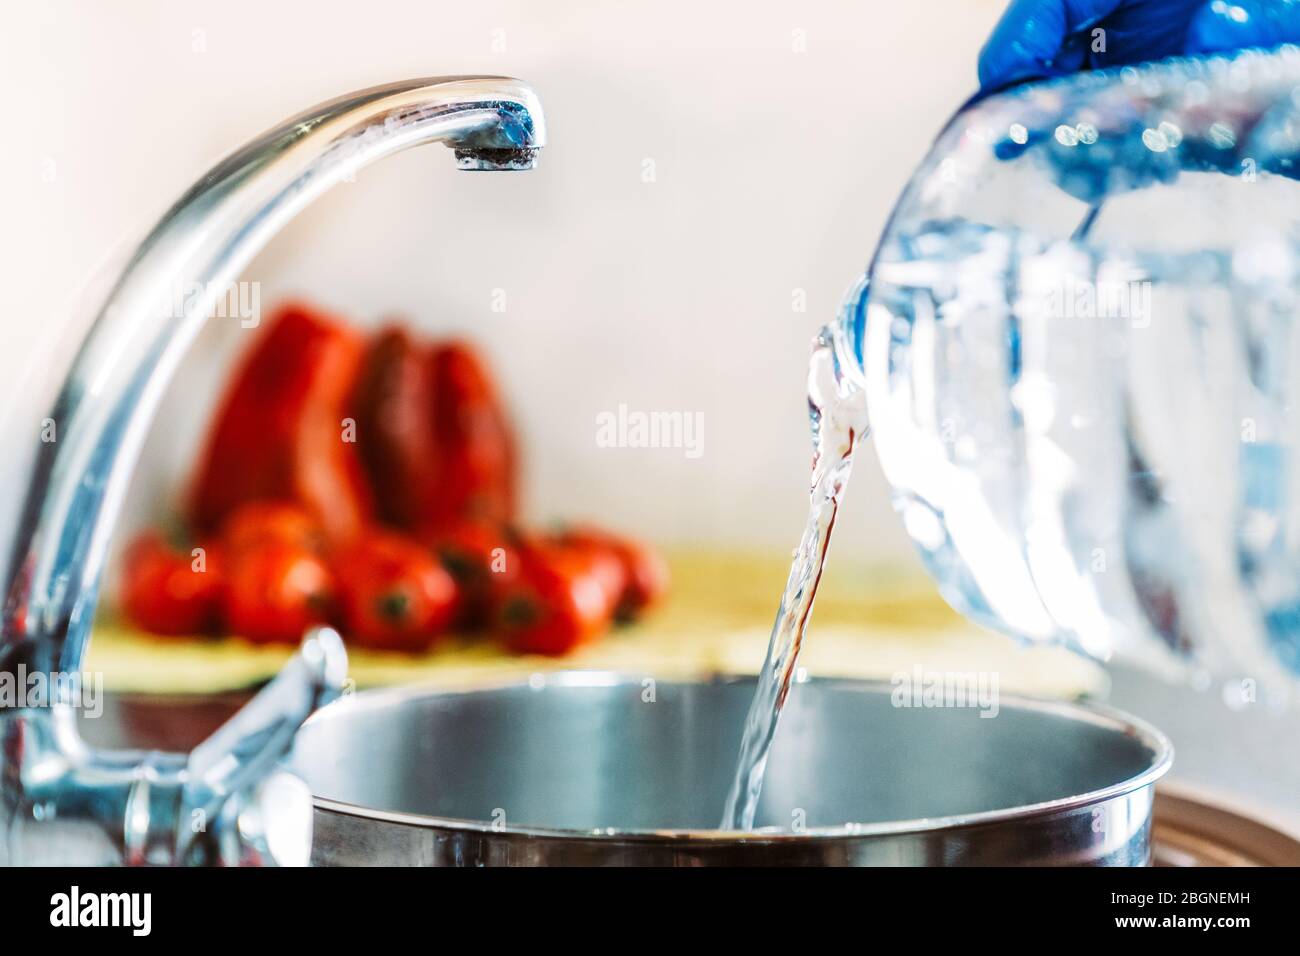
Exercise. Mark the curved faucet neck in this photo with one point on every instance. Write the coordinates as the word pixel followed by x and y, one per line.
pixel 61 802
pixel 203 242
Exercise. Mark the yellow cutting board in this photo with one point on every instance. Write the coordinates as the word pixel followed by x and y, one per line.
pixel 869 622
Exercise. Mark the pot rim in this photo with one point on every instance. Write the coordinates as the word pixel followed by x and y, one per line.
pixel 1097 714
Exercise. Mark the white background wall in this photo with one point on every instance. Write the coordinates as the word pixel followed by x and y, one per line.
pixel 775 170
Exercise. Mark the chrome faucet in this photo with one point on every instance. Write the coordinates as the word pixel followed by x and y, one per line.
pixel 226 802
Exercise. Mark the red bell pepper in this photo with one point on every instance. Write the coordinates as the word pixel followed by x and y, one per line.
pixel 395 404
pixel 477 478
pixel 286 429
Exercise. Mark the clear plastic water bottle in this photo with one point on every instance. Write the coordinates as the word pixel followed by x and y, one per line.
pixel 1081 353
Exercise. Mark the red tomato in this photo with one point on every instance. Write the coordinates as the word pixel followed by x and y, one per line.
pixel 393 593
pixel 484 559
pixel 647 572
pixel 599 559
pixel 276 591
pixel 557 603
pixel 169 591
pixel 261 521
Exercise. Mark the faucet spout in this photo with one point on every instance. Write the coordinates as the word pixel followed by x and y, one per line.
pixel 51 785
pixel 203 242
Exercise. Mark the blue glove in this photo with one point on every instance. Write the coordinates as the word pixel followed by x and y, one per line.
pixel 1043 38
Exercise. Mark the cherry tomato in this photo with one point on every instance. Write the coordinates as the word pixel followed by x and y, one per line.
pixel 393 593
pixel 558 602
pixel 258 522
pixel 276 591
pixel 600 559
pixel 169 591
pixel 647 573
pixel 483 558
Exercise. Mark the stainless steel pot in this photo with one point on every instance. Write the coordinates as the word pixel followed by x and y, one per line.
pixel 601 769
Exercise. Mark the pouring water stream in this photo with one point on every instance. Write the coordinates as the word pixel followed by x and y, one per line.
pixel 838 420
pixel 837 417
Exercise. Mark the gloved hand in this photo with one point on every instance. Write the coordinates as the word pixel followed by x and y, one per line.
pixel 1040 39
pixel 1043 38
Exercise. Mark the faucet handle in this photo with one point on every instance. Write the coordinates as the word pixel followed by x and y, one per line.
pixel 227 803
pixel 232 774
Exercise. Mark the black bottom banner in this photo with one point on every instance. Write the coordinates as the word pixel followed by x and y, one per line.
pixel 334 906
